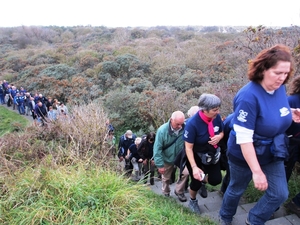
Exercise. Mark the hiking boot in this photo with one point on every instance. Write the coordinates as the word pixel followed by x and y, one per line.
pixel 181 197
pixel 152 178
pixel 203 191
pixel 293 208
pixel 194 207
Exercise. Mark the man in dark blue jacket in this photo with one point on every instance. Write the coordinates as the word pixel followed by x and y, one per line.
pixel 41 112
pixel 20 99
pixel 126 140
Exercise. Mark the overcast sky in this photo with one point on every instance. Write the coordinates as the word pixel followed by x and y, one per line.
pixel 132 13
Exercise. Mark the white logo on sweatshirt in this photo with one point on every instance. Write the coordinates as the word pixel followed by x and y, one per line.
pixel 284 111
pixel 242 116
pixel 186 134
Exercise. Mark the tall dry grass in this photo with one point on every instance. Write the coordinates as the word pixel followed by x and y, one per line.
pixel 79 137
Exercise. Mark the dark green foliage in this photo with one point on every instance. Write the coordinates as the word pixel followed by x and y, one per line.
pixel 168 75
pixel 189 80
pixel 84 63
pixel 126 105
pixel 128 64
pixel 139 85
pixel 110 67
pixel 125 66
pixel 59 72
pixel 138 33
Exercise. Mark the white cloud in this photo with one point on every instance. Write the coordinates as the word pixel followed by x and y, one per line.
pixel 123 13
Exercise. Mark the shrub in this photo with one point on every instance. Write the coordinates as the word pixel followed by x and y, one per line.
pixel 81 137
pixel 59 72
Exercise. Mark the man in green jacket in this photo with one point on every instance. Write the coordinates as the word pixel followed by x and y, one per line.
pixel 168 143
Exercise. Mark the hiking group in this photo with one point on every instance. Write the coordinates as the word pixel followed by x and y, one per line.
pixel 41 109
pixel 258 141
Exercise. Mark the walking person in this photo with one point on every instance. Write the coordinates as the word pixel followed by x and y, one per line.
pixel 134 157
pixel 41 112
pixel 257 146
pixel 126 140
pixel 145 151
pixel 52 114
pixel 202 134
pixel 2 93
pixel 31 106
pixel 167 145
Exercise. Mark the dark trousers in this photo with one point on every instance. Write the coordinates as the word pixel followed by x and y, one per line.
pixel 9 102
pixel 213 171
pixel 293 149
pixel 128 167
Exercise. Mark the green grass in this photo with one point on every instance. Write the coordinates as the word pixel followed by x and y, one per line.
pixel 11 121
pixel 74 195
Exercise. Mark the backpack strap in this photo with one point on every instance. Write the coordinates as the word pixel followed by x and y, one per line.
pixel 169 145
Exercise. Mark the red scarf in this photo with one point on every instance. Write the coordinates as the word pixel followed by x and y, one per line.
pixel 209 122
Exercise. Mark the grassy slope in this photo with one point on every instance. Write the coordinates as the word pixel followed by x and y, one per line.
pixel 11 121
pixel 75 195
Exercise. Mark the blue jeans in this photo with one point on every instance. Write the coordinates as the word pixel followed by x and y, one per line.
pixel 21 108
pixel 2 101
pixel 273 197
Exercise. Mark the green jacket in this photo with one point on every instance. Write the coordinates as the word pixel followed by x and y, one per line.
pixel 165 136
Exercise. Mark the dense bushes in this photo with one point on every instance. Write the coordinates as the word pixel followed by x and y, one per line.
pixel 59 72
pixel 81 64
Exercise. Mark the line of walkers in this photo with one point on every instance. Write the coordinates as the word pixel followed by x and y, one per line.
pixel 259 141
pixel 41 109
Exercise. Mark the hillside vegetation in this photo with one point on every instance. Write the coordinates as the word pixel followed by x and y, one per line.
pixel 63 173
pixel 139 75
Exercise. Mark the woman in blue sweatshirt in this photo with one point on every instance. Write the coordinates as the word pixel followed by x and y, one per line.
pixel 257 146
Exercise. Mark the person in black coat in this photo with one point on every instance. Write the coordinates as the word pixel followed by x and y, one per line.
pixel 145 151
pixel 126 140
pixel 41 112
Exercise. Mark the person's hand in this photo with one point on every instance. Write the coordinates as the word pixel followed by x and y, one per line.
pixel 140 160
pixel 214 140
pixel 260 181
pixel 296 115
pixel 121 159
pixel 161 170
pixel 197 173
